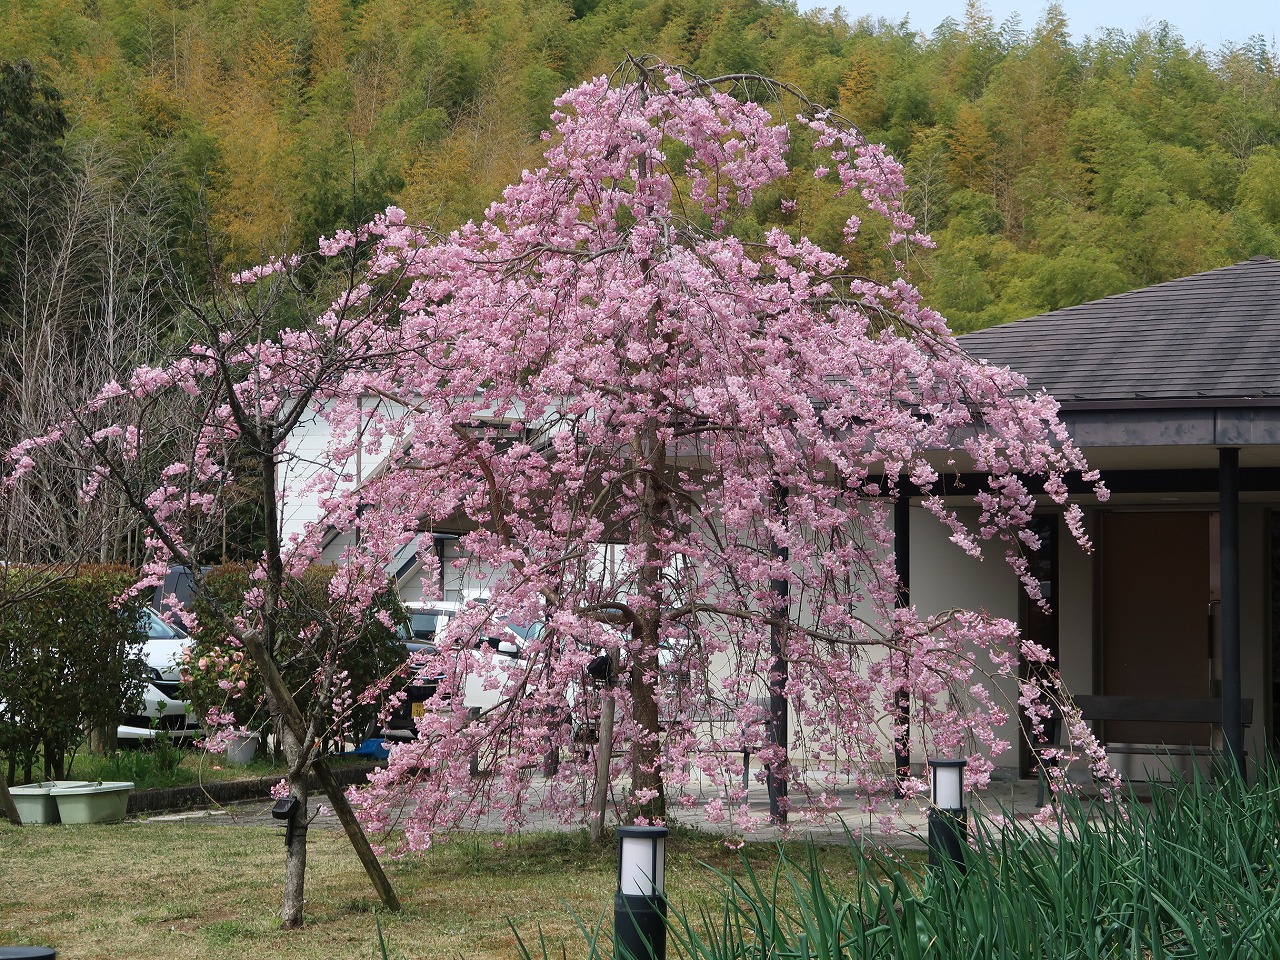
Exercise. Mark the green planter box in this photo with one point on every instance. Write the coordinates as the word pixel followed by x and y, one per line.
pixel 93 802
pixel 34 802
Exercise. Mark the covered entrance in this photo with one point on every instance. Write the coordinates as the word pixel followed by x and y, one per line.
pixel 1170 629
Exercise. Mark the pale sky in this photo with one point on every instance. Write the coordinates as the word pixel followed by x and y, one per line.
pixel 1208 23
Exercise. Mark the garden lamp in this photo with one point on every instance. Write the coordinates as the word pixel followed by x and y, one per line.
pixel 287 809
pixel 948 820
pixel 640 905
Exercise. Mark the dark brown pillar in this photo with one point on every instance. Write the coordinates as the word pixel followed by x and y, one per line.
pixel 902 568
pixel 1229 545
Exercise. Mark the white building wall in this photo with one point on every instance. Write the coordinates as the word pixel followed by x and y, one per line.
pixel 943 577
pixel 305 449
pixel 306 458
pixel 1075 604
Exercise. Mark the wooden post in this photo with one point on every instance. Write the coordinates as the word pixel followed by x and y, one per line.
pixel 1229 547
pixel 902 699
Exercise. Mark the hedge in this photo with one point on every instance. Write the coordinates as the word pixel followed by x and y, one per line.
pixel 70 660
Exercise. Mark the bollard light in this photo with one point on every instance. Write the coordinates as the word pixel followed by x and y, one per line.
pixel 946 783
pixel 640 905
pixel 948 821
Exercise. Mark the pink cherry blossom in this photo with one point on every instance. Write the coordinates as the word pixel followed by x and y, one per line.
pixel 646 432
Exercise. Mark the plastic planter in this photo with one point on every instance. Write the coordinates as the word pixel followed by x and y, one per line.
pixel 34 803
pixel 93 802
pixel 242 748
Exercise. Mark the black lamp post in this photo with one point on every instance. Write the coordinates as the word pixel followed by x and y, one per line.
pixel 640 905
pixel 948 820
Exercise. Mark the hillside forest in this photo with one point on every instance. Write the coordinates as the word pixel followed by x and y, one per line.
pixel 152 146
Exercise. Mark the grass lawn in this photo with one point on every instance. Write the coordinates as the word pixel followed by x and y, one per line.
pixel 192 889
pixel 1193 873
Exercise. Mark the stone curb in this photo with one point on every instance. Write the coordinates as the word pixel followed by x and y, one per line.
pixel 164 799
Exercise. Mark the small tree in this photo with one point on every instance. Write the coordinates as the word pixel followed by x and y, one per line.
pixel 164 444
pixel 223 678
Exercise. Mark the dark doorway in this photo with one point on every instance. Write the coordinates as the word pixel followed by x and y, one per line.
pixel 1274 548
pixel 1157 608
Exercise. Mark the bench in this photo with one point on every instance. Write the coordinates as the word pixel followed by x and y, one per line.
pixel 1159 709
pixel 1097 709
pixel 718 715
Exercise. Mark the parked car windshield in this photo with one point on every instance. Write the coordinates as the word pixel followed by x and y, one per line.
pixel 524 631
pixel 423 625
pixel 157 629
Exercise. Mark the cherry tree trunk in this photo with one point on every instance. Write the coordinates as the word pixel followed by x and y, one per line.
pixel 7 804
pixel 293 730
pixel 295 859
pixel 646 773
pixel 299 742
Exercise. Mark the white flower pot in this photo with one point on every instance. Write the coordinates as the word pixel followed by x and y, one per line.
pixel 34 803
pixel 242 748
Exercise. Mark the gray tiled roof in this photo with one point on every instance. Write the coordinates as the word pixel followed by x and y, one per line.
pixel 1209 336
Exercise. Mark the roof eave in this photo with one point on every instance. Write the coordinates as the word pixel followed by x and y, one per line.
pixel 1166 403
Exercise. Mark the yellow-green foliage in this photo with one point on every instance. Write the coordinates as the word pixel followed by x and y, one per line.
pixel 1104 163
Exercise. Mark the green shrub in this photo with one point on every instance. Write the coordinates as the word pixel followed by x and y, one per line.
pixel 69 662
pixel 215 659
pixel 311 629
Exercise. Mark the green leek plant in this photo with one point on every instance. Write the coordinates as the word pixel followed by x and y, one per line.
pixel 1193 872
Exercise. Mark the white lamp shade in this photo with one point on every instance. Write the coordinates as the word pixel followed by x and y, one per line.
pixel 641 865
pixel 948 783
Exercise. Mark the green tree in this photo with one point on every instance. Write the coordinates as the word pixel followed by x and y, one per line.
pixel 33 124
pixel 1259 190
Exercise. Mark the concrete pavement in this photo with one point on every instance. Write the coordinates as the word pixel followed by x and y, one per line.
pixel 1016 798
